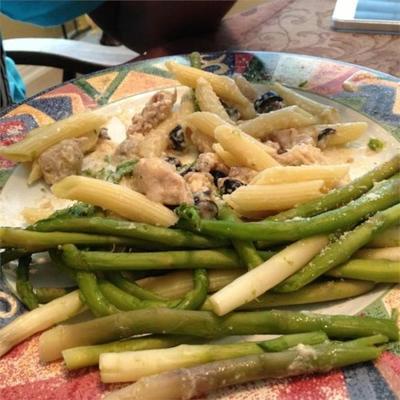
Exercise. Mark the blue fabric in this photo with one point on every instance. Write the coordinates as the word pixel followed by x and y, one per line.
pixel 17 87
pixel 47 13
pixel 43 13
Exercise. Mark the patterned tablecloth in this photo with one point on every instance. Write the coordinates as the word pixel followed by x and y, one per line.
pixel 294 26
pixel 22 376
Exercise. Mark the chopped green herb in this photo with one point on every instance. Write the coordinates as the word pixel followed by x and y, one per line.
pixel 376 144
pixel 124 169
pixel 107 174
pixel 76 210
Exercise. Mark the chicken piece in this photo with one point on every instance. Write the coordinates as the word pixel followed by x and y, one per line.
pixel 207 162
pixel 61 160
pixel 129 148
pixel 202 142
pixel 242 174
pixel 302 154
pixel 288 138
pixel 159 181
pixel 200 181
pixel 137 145
pixel 156 110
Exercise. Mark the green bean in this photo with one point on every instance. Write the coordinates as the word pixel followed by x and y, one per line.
pixel 207 325
pixel 92 295
pixel 196 297
pixel 36 241
pixel 341 250
pixel 246 250
pixel 370 270
pixel 317 292
pixel 24 287
pixel 382 196
pixel 341 196
pixel 133 288
pixel 136 230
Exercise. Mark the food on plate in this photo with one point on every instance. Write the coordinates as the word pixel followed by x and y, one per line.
pixel 209 209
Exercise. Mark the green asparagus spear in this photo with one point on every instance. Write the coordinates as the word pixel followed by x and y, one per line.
pixel 133 288
pixel 191 301
pixel 131 366
pixel 85 356
pixel 92 295
pixel 370 270
pixel 208 325
pixel 136 230
pixel 36 241
pixel 195 59
pixel 24 287
pixel 383 195
pixel 316 292
pixel 125 301
pixel 341 196
pixel 367 341
pixel 245 249
pixel 341 250
pixel 9 255
pixel 186 383
pixel 106 261
pixel 196 297
pixel 285 342
pixel 47 294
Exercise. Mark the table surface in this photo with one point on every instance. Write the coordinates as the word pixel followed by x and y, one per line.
pixel 294 26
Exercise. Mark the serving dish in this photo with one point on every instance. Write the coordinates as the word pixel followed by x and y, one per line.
pixel 372 93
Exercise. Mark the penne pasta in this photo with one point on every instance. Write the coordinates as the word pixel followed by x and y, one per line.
pixel 248 151
pixel 330 174
pixel 205 122
pixel 225 156
pixel 288 117
pixel 275 197
pixel 324 113
pixel 119 199
pixel 223 86
pixel 340 133
pixel 208 100
pixel 44 137
pixel 245 87
pixel 88 142
pixel 35 174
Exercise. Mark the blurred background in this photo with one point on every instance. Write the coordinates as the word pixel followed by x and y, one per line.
pixel 38 78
